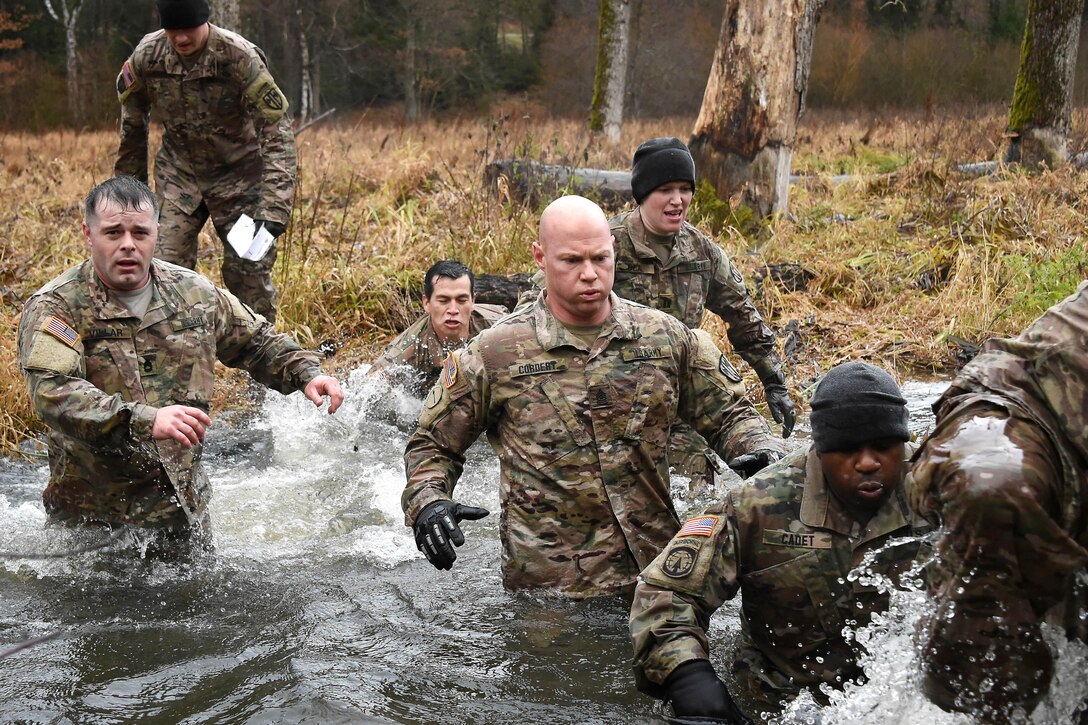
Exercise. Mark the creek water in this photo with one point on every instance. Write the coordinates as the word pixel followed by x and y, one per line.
pixel 316 607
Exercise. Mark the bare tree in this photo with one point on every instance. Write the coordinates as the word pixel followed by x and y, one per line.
pixel 69 15
pixel 1039 117
pixel 743 138
pixel 226 14
pixel 610 84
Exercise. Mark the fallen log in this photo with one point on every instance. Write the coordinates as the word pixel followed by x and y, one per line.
pixel 493 289
pixel 534 182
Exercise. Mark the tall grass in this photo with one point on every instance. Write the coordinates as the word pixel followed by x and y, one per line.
pixel 906 257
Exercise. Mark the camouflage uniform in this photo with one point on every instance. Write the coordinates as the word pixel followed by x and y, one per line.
pixel 581 436
pixel 415 356
pixel 698 275
pixel 785 542
pixel 227 149
pixel 97 376
pixel 1006 472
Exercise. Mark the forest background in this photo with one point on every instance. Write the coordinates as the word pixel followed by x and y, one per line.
pixel 909 262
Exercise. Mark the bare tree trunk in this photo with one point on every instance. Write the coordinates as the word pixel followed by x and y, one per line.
pixel 743 139
pixel 226 14
pixel 68 18
pixel 411 88
pixel 1039 117
pixel 610 84
pixel 306 81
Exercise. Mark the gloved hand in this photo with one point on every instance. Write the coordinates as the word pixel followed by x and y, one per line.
pixel 754 462
pixel 696 692
pixel 782 408
pixel 276 229
pixel 436 527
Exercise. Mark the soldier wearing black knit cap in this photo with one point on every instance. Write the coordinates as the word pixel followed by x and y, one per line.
pixel 662 261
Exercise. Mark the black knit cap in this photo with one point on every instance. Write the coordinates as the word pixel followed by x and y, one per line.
pixel 854 403
pixel 657 162
pixel 182 14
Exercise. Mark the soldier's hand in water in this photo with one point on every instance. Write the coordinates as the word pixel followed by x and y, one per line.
pixel 437 531
pixel 180 423
pixel 782 408
pixel 274 228
pixel 325 385
pixel 754 462
pixel 697 695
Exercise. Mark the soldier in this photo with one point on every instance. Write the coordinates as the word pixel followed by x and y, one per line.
pixel 662 261
pixel 577 394
pixel 787 540
pixel 1005 471
pixel 118 355
pixel 227 147
pixel 451 319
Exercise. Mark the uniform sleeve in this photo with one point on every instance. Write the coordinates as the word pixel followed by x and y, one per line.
pixel 135 119
pixel 247 341
pixel 713 402
pixel 453 416
pixel 268 108
pixel 677 594
pixel 52 363
pixel 728 298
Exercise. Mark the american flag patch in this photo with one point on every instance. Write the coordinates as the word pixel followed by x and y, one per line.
pixel 698 526
pixel 126 75
pixel 449 371
pixel 59 329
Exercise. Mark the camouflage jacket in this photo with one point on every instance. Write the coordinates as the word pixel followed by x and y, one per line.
pixel 96 377
pixel 1040 375
pixel 581 436
pixel 697 276
pixel 785 542
pixel 226 127
pixel 415 356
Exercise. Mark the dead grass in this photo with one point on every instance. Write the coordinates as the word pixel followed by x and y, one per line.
pixel 905 257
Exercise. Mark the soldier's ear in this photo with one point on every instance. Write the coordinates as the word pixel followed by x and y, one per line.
pixel 86 232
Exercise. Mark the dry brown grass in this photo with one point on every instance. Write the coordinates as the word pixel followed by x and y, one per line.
pixel 378 202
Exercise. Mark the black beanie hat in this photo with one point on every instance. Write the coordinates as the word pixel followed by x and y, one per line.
pixel 854 403
pixel 659 161
pixel 182 14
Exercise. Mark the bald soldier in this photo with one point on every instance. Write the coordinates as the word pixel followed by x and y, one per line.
pixel 1005 471
pixel 227 146
pixel 577 394
pixel 119 358
pixel 787 541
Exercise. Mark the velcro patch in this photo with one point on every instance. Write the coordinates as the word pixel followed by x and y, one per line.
pixel 48 353
pixel 680 561
pixel 59 329
pixel 537 368
pixel 449 371
pixel 698 526
pixel 267 96
pixel 106 333
pixel 797 539
pixel 646 353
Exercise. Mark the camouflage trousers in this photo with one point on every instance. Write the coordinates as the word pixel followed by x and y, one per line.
pixel 1004 559
pixel 251 282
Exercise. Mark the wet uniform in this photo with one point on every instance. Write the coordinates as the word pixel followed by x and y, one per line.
pixel 97 375
pixel 580 431
pixel 1006 472
pixel 414 358
pixel 785 542
pixel 227 149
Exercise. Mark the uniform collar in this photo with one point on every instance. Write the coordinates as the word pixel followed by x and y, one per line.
pixel 820 509
pixel 681 249
pixel 620 325
pixel 164 301
pixel 205 64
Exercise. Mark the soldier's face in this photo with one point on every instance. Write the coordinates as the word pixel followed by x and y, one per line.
pixel 665 209
pixel 864 476
pixel 187 41
pixel 122 243
pixel 578 273
pixel 450 307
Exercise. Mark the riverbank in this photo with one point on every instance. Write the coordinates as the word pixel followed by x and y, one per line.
pixel 909 264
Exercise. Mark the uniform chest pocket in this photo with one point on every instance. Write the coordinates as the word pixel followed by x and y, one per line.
pixel 635 284
pixel 798 591
pixel 221 103
pixel 652 402
pixel 167 99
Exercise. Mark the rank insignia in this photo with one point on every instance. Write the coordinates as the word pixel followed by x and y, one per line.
pixel 726 368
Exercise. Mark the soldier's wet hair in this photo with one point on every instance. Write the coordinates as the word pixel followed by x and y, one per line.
pixel 127 192
pixel 449 269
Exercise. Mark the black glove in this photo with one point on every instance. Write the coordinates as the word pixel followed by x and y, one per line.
pixel 782 409
pixel 696 692
pixel 436 526
pixel 754 462
pixel 276 229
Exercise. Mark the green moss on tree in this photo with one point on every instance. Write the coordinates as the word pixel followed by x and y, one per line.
pixel 604 66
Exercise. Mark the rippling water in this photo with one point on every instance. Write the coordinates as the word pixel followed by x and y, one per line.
pixel 316 606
